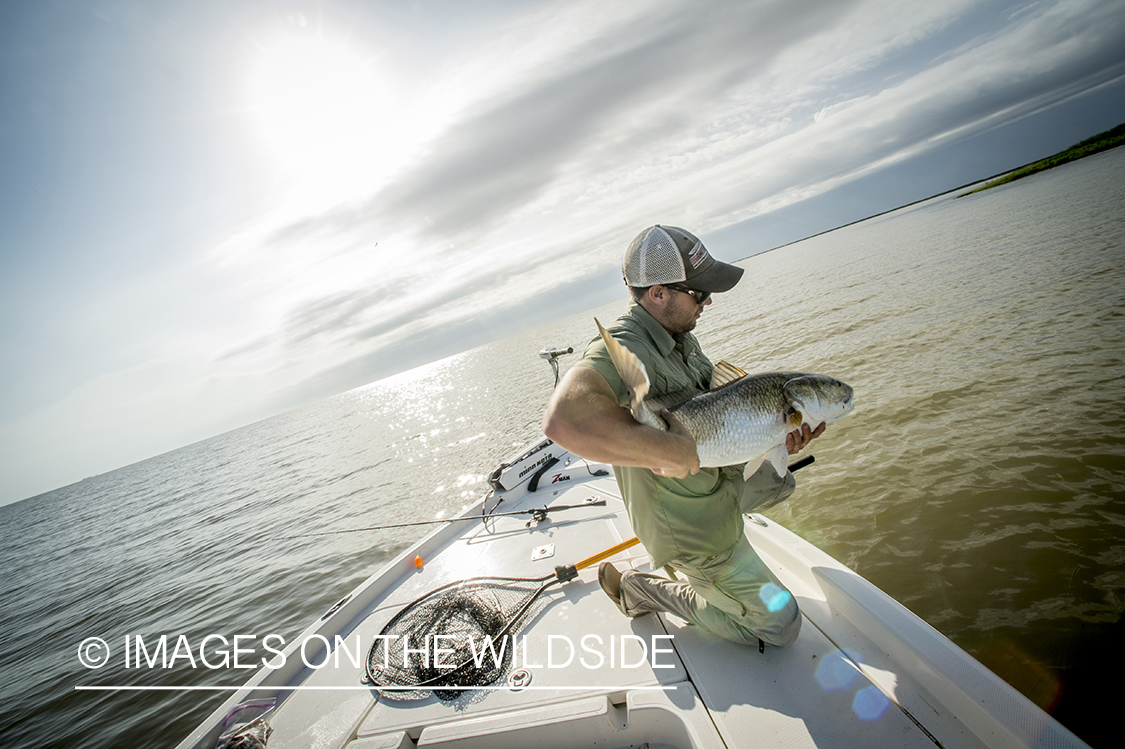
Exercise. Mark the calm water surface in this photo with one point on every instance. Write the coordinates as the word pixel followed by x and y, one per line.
pixel 979 481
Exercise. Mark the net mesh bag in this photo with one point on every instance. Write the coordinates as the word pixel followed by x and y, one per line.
pixel 469 617
pixel 653 259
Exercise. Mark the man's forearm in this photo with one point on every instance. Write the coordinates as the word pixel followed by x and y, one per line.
pixel 583 417
pixel 622 441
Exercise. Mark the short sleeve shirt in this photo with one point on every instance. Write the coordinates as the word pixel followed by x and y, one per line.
pixel 676 519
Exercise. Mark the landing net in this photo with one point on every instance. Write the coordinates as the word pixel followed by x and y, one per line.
pixel 460 635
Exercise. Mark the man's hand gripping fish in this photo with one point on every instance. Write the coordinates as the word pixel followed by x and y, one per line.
pixel 743 418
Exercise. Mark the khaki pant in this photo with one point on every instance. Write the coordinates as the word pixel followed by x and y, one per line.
pixel 733 595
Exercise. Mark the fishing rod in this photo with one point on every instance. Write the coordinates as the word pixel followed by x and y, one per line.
pixel 537 514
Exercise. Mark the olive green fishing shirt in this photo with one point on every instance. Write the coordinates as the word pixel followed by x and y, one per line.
pixel 676 519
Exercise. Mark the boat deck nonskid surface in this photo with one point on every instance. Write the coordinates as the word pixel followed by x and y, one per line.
pixel 596 676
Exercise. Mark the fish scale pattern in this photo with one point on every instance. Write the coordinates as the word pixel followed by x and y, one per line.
pixel 744 420
pixel 740 422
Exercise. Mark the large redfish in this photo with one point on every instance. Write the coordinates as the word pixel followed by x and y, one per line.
pixel 743 418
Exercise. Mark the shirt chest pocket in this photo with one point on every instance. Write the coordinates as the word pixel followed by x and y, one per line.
pixel 669 381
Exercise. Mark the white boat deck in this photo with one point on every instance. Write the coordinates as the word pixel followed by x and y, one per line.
pixel 864 672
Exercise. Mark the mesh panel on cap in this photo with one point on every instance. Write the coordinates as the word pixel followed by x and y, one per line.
pixel 653 259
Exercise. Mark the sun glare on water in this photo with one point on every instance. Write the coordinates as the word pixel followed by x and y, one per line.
pixel 322 110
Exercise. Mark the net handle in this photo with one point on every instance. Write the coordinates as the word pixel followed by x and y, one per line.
pixel 607 553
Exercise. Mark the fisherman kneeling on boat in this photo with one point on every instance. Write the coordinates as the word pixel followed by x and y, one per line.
pixel 686 516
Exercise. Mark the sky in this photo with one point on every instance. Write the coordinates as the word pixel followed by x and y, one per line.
pixel 214 212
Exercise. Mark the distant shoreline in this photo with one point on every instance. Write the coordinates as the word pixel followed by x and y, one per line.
pixel 1097 144
pixel 1100 142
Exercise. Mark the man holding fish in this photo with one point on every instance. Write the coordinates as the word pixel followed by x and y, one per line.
pixel 692 448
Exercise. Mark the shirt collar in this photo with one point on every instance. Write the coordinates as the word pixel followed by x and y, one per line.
pixel 664 341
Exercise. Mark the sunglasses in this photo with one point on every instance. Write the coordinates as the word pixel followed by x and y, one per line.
pixel 700 297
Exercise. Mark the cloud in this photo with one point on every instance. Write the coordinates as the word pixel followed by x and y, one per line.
pixel 537 152
pixel 703 115
pixel 995 78
pixel 334 313
pixel 660 74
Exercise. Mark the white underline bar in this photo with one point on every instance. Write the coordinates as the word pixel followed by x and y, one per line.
pixel 132 688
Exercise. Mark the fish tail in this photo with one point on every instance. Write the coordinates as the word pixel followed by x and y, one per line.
pixel 633 374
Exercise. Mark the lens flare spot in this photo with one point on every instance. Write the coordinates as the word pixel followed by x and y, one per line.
pixel 774 596
pixel 835 673
pixel 870 704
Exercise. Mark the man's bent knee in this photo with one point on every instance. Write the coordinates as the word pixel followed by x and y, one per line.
pixel 788 634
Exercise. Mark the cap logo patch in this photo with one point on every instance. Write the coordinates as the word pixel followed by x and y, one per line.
pixel 698 255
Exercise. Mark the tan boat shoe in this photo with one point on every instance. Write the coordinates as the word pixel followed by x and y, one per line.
pixel 610 580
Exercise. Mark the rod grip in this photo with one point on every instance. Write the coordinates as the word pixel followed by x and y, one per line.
pixel 798 465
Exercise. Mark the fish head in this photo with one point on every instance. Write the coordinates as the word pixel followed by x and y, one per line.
pixel 819 397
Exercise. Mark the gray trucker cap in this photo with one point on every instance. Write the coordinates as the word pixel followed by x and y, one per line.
pixel 668 254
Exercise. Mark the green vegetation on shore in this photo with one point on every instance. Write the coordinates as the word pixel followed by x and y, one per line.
pixel 1100 142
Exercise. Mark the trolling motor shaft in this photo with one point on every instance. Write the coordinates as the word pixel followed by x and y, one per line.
pixel 552 355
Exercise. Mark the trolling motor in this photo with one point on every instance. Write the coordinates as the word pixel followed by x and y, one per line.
pixel 504 478
pixel 534 461
pixel 552 355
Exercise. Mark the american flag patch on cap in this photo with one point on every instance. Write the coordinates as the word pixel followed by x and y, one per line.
pixel 698 255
